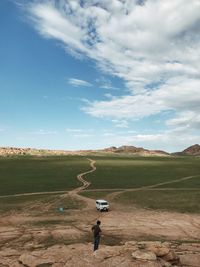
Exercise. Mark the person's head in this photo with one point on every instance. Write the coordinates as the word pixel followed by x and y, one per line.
pixel 98 222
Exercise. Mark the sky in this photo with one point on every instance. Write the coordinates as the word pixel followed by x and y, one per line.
pixel 78 74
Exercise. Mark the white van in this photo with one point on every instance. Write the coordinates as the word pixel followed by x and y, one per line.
pixel 102 205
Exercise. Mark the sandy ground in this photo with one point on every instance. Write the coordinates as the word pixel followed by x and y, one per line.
pixel 118 225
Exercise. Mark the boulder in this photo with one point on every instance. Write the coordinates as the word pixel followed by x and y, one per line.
pixel 30 260
pixel 108 252
pixel 171 257
pixel 144 255
pixel 192 260
pixel 160 249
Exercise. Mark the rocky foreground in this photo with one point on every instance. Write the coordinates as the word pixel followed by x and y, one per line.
pixel 131 254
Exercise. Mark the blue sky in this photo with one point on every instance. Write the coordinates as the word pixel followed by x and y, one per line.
pixel 92 74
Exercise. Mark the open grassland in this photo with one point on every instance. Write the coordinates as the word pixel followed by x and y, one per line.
pixel 100 194
pixel 170 200
pixel 193 183
pixel 40 174
pixel 134 172
pixel 57 173
pixel 40 204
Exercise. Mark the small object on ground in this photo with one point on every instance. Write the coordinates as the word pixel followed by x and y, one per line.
pixel 61 209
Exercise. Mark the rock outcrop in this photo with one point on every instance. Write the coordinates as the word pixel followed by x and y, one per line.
pixel 135 150
pixel 131 150
pixel 15 151
pixel 190 151
pixel 131 254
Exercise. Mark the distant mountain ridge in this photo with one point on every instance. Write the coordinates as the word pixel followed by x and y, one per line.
pixel 135 150
pixel 193 150
pixel 12 151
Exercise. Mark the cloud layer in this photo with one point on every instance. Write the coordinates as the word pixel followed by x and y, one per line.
pixel 78 82
pixel 153 45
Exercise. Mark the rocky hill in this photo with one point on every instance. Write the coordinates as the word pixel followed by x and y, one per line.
pixel 131 150
pixel 14 151
pixel 190 151
pixel 136 150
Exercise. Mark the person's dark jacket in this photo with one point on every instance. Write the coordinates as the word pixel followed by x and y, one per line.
pixel 96 230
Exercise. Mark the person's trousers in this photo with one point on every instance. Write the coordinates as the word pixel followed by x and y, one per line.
pixel 96 242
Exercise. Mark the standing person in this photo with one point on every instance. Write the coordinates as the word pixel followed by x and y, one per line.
pixel 97 234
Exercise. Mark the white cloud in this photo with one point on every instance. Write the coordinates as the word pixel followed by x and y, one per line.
pixel 177 95
pixel 77 82
pixel 83 135
pixel 109 87
pixel 108 134
pixel 154 47
pixel 43 132
pixel 183 120
pixel 105 83
pixel 74 130
pixel 80 133
pixel 169 141
pixel 120 123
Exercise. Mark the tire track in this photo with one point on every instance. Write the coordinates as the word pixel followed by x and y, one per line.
pixel 149 187
pixel 80 178
pixel 85 184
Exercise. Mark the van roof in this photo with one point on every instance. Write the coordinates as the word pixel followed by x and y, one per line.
pixel 101 200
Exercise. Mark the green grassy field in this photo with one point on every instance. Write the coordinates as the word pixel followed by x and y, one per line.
pixel 133 172
pixel 38 174
pixel 97 194
pixel 43 174
pixel 173 200
pixel 35 204
pixel 190 183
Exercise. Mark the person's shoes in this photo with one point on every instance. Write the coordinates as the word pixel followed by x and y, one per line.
pixel 94 253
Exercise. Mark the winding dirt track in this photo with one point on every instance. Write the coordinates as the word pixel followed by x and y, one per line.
pixel 154 186
pixel 85 184
pixel 138 222
pixel 119 222
pixel 80 176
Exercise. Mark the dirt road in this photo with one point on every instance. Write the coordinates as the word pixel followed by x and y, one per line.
pixel 119 224
pixel 139 222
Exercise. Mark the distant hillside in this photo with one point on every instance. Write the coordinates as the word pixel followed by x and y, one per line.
pixel 12 151
pixel 136 150
pixel 130 150
pixel 190 151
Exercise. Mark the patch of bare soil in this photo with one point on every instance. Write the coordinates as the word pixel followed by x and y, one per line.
pixel 21 233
